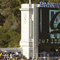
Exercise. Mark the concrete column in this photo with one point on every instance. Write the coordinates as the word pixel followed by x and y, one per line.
pixel 29 36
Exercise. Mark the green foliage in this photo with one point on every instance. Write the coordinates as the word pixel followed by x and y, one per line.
pixel 37 1
pixel 14 3
pixel 4 40
pixel 17 13
pixel 10 39
pixel 15 37
pixel 10 32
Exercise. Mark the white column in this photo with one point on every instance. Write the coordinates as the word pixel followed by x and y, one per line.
pixel 29 36
pixel 26 43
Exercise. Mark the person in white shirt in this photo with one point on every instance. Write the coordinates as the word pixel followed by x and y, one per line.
pixel 11 55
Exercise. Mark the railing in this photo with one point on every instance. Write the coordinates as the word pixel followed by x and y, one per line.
pixel 52 54
pixel 49 56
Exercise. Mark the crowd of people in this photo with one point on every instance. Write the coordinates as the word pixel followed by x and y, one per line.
pixel 15 55
pixel 4 55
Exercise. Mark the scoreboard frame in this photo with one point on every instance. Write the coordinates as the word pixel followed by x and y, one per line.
pixel 44 38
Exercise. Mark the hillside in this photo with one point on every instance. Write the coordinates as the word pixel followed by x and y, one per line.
pixel 9 23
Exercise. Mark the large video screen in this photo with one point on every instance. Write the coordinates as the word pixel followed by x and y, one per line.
pixel 54 24
pixel 49 26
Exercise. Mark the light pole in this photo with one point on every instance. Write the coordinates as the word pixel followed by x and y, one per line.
pixel 29 1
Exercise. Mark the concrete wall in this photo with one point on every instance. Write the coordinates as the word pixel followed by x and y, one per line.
pixel 11 49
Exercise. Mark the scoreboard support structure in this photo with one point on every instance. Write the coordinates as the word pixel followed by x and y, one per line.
pixel 29 30
pixel 40 26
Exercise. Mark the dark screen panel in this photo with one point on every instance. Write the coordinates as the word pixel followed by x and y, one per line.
pixel 45 25
pixel 45 35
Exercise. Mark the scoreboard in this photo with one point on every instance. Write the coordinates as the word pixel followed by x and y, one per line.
pixel 49 26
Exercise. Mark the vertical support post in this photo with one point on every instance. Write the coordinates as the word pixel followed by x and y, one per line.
pixel 29 1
